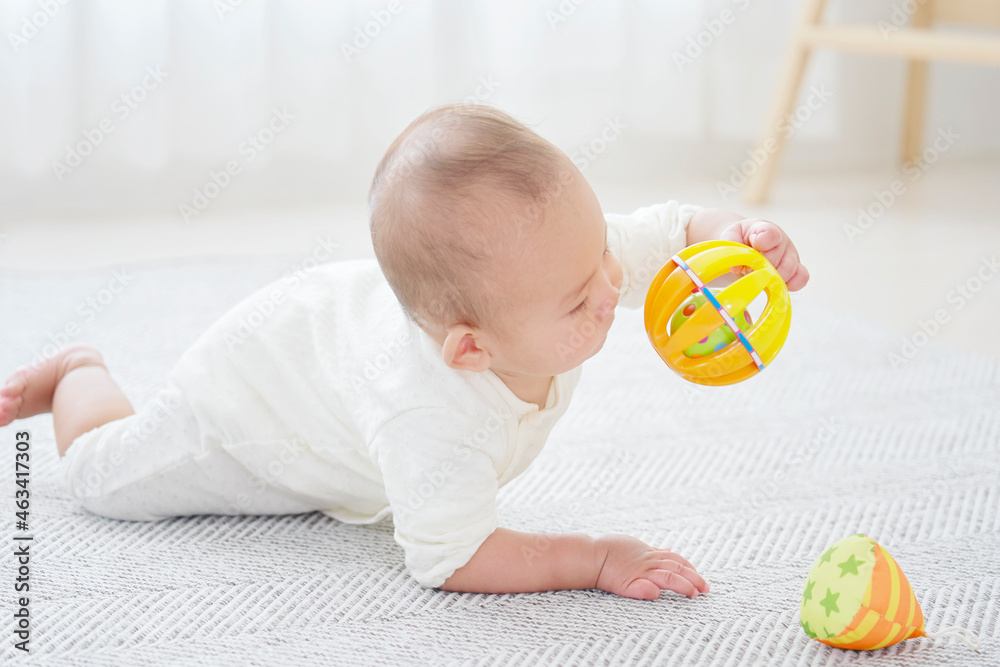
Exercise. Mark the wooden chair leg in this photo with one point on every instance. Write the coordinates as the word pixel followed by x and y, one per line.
pixel 913 113
pixel 792 70
pixel 916 94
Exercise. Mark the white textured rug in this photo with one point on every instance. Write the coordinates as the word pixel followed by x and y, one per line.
pixel 749 482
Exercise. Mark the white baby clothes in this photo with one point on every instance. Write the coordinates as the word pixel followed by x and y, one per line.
pixel 320 394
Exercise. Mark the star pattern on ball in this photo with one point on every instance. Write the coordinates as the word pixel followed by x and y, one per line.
pixel 830 602
pixel 873 608
pixel 850 566
pixel 825 558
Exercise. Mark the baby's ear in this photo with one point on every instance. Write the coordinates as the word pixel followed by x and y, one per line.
pixel 461 350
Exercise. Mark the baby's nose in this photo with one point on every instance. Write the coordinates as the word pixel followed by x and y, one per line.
pixel 606 309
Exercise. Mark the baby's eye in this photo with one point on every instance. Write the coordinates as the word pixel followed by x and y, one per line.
pixel 580 308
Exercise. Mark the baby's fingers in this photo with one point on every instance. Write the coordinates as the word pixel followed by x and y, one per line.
pixel 671 581
pixel 671 556
pixel 764 236
pixel 799 280
pixel 642 589
pixel 686 570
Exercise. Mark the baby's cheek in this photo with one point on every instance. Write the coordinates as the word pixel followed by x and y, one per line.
pixel 574 338
pixel 616 274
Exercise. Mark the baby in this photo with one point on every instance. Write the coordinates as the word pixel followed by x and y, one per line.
pixel 414 386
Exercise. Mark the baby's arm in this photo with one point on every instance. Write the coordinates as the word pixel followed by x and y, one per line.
pixel 441 479
pixel 514 562
pixel 761 235
pixel 644 241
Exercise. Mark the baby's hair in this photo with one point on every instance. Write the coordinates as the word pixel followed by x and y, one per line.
pixel 448 205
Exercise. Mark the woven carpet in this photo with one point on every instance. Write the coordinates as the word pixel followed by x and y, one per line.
pixel 750 482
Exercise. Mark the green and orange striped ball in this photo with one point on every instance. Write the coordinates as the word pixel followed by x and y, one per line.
pixel 857 597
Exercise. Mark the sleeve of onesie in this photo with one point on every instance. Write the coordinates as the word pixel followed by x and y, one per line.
pixel 439 467
pixel 644 241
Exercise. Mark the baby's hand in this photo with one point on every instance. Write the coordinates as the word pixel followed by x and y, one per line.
pixel 771 241
pixel 633 569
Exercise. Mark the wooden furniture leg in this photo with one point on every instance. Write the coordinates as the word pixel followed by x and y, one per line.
pixel 789 80
pixel 916 93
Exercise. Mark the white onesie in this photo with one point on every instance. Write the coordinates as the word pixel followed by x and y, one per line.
pixel 320 394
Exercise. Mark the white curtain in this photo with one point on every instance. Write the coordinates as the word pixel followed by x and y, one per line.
pixel 161 94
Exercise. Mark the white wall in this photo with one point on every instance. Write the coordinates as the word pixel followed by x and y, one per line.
pixel 226 71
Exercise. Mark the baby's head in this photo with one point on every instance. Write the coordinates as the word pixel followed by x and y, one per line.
pixel 494 243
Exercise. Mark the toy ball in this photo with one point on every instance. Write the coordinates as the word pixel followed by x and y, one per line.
pixel 686 343
pixel 716 340
pixel 857 597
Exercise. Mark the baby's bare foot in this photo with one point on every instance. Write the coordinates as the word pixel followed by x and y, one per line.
pixel 29 389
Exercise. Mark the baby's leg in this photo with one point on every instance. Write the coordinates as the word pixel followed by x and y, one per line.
pixel 142 467
pixel 169 460
pixel 74 386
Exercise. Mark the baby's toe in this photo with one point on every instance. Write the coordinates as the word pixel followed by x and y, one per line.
pixel 12 396
pixel 15 384
pixel 9 407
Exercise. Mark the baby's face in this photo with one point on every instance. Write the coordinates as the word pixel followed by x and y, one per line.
pixel 564 284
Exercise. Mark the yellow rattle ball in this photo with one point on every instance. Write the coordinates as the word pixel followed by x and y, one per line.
pixel 678 332
pixel 714 341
